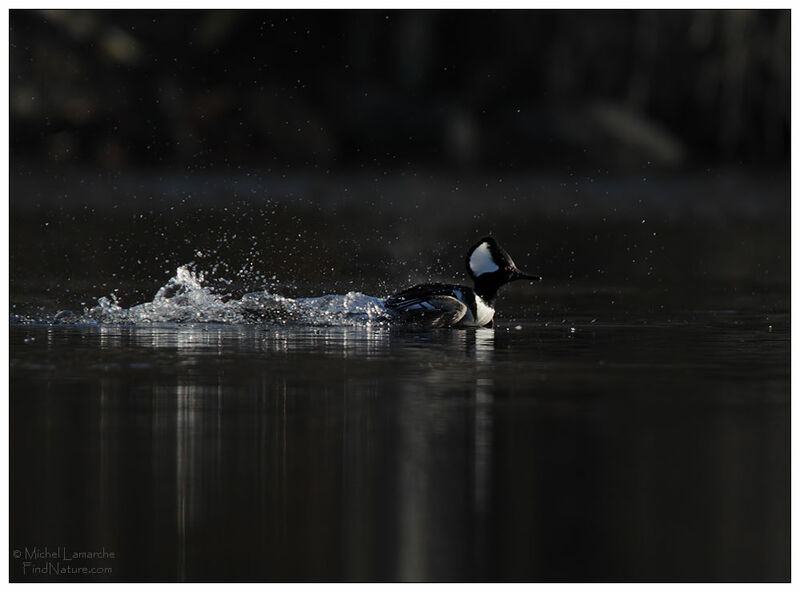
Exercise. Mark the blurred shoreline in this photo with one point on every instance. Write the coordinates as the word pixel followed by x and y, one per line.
pixel 344 88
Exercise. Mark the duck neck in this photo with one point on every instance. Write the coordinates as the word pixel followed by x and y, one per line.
pixel 487 290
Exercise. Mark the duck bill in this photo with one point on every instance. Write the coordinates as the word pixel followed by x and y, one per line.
pixel 516 274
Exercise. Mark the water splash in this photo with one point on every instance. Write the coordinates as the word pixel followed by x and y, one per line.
pixel 184 299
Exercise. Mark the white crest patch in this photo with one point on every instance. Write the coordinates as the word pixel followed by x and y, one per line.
pixel 481 260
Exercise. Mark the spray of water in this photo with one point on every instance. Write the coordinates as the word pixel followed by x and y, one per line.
pixel 185 299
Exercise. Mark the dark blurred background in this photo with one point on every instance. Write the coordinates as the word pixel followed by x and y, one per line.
pixel 504 89
pixel 359 141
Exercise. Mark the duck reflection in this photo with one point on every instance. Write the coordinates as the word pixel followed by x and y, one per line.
pixel 444 430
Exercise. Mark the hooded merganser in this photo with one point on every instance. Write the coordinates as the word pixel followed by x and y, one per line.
pixel 448 305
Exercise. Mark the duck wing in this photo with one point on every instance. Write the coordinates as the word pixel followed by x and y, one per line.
pixel 429 305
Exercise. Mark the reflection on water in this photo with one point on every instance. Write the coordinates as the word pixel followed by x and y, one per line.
pixel 368 453
pixel 423 427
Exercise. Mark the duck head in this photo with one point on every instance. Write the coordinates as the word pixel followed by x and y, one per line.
pixel 491 267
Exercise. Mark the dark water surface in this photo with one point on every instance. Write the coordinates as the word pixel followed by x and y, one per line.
pixel 532 451
pixel 626 420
